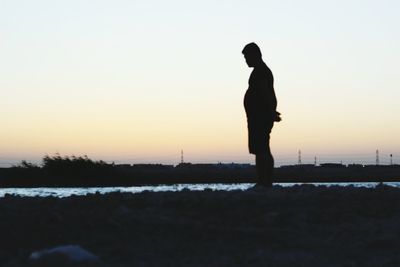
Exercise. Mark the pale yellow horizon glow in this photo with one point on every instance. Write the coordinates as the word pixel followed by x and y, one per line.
pixel 138 82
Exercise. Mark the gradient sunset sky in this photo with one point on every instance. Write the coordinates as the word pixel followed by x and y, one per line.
pixel 137 81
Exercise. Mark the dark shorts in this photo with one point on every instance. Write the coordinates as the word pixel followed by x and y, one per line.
pixel 259 137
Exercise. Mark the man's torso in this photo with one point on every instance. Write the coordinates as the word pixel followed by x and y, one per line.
pixel 260 100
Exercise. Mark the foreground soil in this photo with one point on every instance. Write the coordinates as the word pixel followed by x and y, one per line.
pixel 298 226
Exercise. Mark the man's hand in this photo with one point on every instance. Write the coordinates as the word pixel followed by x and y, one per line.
pixel 277 116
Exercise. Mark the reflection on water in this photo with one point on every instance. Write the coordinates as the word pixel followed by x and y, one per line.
pixel 79 191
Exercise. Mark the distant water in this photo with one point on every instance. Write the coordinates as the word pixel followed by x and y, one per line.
pixel 81 191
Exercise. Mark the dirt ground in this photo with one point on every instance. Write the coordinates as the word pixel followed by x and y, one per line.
pixel 297 226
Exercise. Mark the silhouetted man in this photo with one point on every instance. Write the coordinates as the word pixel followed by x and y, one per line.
pixel 260 105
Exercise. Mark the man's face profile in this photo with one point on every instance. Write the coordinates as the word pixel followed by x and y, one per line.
pixel 250 60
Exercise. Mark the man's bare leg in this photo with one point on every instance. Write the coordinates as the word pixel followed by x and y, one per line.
pixel 265 168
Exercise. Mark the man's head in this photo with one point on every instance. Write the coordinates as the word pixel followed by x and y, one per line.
pixel 252 54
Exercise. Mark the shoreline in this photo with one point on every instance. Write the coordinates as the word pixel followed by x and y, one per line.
pixel 62 192
pixel 171 182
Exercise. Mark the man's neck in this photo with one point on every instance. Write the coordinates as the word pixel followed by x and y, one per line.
pixel 259 64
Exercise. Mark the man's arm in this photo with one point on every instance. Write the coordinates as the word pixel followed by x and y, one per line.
pixel 265 86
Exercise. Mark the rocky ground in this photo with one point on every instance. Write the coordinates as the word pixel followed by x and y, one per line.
pixel 298 226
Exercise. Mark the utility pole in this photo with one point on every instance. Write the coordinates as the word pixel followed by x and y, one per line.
pixel 182 156
pixel 391 159
pixel 315 161
pixel 299 158
pixel 377 157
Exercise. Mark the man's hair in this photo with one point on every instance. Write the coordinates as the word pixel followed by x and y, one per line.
pixel 252 49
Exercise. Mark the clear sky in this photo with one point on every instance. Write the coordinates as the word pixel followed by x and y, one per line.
pixel 137 81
